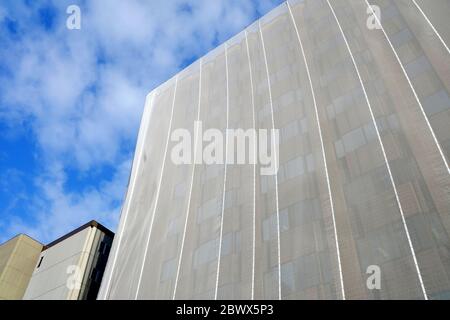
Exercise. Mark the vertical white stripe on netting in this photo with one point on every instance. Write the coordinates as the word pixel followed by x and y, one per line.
pixel 341 279
pixel 196 140
pixel 224 175
pixel 274 149
pixel 254 169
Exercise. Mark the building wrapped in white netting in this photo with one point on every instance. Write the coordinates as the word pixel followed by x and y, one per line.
pixel 360 205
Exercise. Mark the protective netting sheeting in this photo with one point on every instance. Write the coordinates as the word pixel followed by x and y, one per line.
pixel 360 205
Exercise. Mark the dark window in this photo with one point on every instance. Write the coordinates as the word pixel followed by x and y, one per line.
pixel 40 261
pixel 102 247
pixel 107 248
pixel 96 275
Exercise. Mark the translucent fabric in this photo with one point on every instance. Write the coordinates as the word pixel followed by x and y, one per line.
pixel 360 205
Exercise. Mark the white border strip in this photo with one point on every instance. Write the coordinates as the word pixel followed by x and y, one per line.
pixel 276 161
pixel 419 275
pixel 254 170
pixel 341 279
pixel 192 181
pixel 158 189
pixel 412 88
pixel 139 147
pixel 431 25
pixel 224 175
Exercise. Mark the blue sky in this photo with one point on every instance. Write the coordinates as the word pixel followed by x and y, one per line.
pixel 71 100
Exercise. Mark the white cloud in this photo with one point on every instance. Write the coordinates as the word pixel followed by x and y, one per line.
pixel 59 211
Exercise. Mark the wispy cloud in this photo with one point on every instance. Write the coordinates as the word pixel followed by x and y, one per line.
pixel 81 93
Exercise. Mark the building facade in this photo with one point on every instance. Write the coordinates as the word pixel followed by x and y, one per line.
pixel 71 267
pixel 360 205
pixel 18 256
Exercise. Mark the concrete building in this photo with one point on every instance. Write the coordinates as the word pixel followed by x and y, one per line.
pixel 71 267
pixel 360 205
pixel 18 258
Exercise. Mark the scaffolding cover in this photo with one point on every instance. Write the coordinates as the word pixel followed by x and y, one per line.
pixel 360 205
